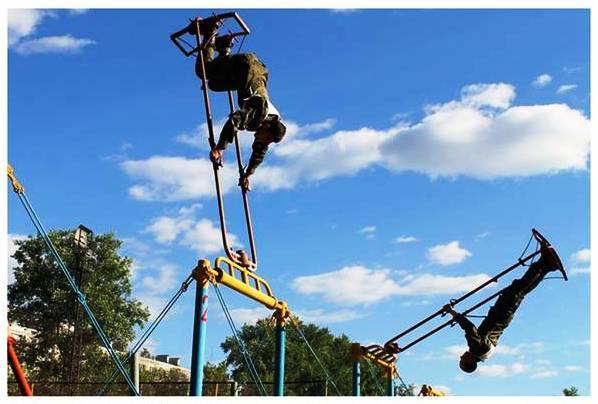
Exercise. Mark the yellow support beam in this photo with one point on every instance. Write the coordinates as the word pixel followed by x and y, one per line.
pixel 241 280
pixel 377 355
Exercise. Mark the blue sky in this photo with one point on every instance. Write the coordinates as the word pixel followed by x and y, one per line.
pixel 423 145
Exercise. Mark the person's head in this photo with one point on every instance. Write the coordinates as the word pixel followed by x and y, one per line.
pixel 271 131
pixel 468 362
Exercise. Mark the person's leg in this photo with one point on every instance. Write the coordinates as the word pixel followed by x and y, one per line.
pixel 502 312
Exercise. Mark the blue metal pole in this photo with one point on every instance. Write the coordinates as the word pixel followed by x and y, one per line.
pixel 390 385
pixel 280 354
pixel 356 378
pixel 199 338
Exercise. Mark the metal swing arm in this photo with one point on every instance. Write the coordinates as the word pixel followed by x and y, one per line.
pixel 521 261
pixel 211 139
pixel 447 323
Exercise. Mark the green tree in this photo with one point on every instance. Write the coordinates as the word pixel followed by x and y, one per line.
pixel 333 351
pixel 215 374
pixel 162 382
pixel 571 391
pixel 40 298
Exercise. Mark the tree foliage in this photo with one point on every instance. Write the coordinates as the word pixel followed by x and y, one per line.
pixel 571 391
pixel 303 375
pixel 40 298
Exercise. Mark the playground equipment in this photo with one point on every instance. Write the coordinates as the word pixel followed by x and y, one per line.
pixel 197 51
pixel 429 391
pixel 542 243
pixel 378 356
pixel 236 270
pixel 20 191
pixel 15 365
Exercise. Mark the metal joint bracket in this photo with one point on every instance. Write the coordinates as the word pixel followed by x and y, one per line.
pixel 16 185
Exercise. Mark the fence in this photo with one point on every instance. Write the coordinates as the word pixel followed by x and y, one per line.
pixel 169 388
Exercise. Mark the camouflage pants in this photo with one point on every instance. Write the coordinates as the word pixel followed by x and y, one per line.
pixel 248 76
pixel 502 312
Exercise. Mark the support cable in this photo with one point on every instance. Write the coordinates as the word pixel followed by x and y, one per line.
pixel 246 356
pixel 148 332
pixel 373 375
pixel 328 377
pixel 73 285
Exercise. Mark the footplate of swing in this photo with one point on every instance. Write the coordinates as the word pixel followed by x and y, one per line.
pixel 244 281
pixel 377 354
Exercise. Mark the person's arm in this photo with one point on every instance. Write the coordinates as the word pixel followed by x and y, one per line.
pixel 259 150
pixel 471 331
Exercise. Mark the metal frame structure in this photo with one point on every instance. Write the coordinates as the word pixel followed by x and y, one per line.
pixel 389 346
pixel 238 278
pixel 198 51
pixel 378 356
pixel 232 270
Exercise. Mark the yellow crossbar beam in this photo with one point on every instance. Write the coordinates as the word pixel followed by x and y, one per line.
pixel 240 280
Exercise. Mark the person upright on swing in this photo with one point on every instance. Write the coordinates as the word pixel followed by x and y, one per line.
pixel 482 340
pixel 248 76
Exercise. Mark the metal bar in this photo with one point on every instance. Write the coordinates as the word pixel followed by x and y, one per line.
pixel 225 279
pixel 356 391
pixel 279 355
pixel 390 384
pixel 465 296
pixel 13 359
pixel 199 338
pixel 243 191
pixel 210 123
pixel 134 370
pixel 440 327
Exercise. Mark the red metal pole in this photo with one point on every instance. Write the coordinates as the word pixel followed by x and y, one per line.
pixel 17 369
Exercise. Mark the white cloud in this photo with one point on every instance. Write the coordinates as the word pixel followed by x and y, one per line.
pixel 542 80
pixel 579 270
pixel 573 368
pixel 354 285
pixel 52 44
pixel 344 10
pixel 486 95
pixel 163 281
pixel 248 316
pixel 565 88
pixel 12 248
pixel 448 254
pixel 205 238
pixel 368 231
pixel 545 374
pixel 405 239
pixel 455 351
pixel 581 259
pixel 581 256
pixel 483 235
pixel 177 178
pixel 200 235
pixel 501 370
pixel 78 11
pixel 481 135
pixel 324 317
pixel 24 22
